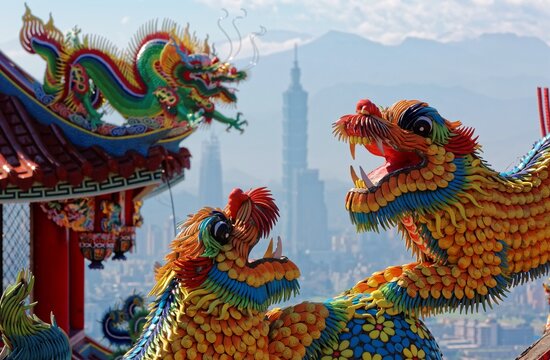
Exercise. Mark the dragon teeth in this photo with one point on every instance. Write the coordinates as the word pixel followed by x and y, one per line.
pixel 354 176
pixel 352 150
pixel 365 178
pixel 380 146
pixel 269 250
pixel 278 253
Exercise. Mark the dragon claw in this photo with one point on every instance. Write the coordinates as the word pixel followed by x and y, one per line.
pixel 237 123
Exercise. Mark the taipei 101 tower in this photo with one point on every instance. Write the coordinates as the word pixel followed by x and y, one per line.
pixel 304 210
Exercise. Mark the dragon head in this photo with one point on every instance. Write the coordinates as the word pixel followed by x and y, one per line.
pixel 424 168
pixel 14 316
pixel 212 251
pixel 193 66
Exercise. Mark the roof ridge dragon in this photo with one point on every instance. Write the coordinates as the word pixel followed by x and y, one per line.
pixel 167 78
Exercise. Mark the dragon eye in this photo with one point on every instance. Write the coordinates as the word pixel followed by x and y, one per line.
pixel 422 126
pixel 221 229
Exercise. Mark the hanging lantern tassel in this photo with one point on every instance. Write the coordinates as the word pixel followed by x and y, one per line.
pixel 124 242
pixel 96 247
pixel 130 220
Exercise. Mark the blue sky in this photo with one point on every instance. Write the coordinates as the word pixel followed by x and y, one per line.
pixel 386 21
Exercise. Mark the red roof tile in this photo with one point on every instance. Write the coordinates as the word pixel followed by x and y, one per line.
pixel 32 152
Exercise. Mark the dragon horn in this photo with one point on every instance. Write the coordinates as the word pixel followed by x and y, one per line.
pixel 206 47
pixel 186 35
pixel 177 46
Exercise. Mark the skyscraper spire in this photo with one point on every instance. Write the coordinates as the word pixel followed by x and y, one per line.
pixel 295 72
pixel 304 211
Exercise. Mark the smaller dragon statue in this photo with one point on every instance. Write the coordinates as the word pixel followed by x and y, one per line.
pixel 212 301
pixel 122 326
pixel 166 79
pixel 476 232
pixel 26 336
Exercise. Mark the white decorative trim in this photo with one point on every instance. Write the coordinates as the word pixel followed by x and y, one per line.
pixel 88 187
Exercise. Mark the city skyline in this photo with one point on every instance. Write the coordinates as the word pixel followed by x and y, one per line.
pixel 303 164
pixel 304 212
pixel 211 176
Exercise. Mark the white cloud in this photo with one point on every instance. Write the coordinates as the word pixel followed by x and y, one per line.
pixel 391 21
pixel 125 20
pixel 264 47
pixel 249 4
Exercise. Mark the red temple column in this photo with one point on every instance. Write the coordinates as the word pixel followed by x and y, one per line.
pixel 76 283
pixel 50 266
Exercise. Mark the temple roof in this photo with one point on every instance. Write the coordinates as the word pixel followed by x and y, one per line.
pixel 38 155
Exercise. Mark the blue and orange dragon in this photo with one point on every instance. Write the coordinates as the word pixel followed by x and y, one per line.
pixel 122 325
pixel 212 301
pixel 476 232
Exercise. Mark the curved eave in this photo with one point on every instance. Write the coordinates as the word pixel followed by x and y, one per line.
pixel 37 158
pixel 16 82
pixel 87 188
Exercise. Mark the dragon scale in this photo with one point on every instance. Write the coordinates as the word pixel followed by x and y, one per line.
pixel 476 232
pixel 167 75
pixel 212 302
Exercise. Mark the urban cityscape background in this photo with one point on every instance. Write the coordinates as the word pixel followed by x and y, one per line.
pixel 330 254
pixel 484 76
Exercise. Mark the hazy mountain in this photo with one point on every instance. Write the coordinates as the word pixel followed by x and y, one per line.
pixel 488 83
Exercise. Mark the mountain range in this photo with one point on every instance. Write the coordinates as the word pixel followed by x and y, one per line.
pixel 488 83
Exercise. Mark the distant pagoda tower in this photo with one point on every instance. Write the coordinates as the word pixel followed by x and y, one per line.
pixel 304 209
pixel 294 147
pixel 210 186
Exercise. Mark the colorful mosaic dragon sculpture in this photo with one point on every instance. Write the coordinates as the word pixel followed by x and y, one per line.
pixel 166 79
pixel 123 325
pixel 476 232
pixel 212 301
pixel 24 336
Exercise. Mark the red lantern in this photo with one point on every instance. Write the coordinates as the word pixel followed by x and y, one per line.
pixel 124 242
pixel 96 247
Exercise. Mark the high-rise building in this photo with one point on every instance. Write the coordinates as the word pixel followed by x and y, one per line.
pixel 210 186
pixel 304 212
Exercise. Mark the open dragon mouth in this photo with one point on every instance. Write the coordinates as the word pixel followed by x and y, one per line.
pixel 215 89
pixel 396 162
pixel 383 196
pixel 253 214
pixel 270 254
pixel 366 130
pixel 212 85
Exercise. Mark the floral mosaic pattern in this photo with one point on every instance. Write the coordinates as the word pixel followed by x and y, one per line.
pixel 369 336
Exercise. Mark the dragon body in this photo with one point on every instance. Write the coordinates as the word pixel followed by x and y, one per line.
pixel 476 232
pixel 212 301
pixel 25 336
pixel 167 78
